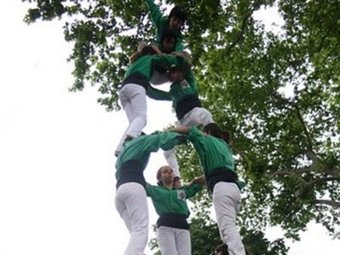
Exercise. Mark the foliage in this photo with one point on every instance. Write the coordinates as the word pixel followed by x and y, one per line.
pixel 276 90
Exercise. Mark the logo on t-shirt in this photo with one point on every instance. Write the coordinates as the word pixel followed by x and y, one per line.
pixel 184 84
pixel 181 194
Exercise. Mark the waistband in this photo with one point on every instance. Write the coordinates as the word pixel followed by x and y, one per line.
pixel 221 174
pixel 138 79
pixel 131 171
pixel 173 220
pixel 186 104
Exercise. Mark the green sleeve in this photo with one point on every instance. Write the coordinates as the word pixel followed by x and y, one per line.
pixel 156 15
pixel 192 190
pixel 179 45
pixel 169 60
pixel 194 132
pixel 190 78
pixel 158 94
pixel 150 190
pixel 169 140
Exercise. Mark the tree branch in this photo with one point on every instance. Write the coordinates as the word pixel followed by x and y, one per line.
pixel 310 152
pixel 240 34
pixel 297 171
pixel 331 203
pixel 326 179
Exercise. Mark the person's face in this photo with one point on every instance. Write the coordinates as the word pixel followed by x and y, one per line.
pixel 175 23
pixel 176 75
pixel 177 183
pixel 167 175
pixel 168 44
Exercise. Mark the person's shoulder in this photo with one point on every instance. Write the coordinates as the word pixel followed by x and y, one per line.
pixel 195 130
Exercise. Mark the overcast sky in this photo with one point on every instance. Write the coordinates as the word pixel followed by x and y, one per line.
pixel 57 181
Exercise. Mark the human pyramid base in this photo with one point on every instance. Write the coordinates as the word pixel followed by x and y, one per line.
pixel 152 65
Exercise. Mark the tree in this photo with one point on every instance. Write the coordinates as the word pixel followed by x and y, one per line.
pixel 278 92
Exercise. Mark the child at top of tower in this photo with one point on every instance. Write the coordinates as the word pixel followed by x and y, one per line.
pixel 174 21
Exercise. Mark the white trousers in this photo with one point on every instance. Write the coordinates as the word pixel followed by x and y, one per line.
pixel 133 100
pixel 131 204
pixel 174 241
pixel 226 200
pixel 196 117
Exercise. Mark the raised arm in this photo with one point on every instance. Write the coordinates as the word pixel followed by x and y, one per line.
pixel 181 129
pixel 155 13
pixel 151 190
pixel 192 189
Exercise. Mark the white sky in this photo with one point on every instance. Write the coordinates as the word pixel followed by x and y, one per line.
pixel 57 181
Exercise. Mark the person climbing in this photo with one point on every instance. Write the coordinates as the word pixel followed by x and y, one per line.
pixel 173 233
pixel 185 100
pixel 132 94
pixel 175 21
pixel 167 46
pixel 130 197
pixel 218 165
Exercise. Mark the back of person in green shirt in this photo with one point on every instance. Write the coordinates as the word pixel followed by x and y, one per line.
pixel 185 100
pixel 130 198
pixel 132 94
pixel 184 96
pixel 217 161
pixel 173 233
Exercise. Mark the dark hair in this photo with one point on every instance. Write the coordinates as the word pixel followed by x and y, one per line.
pixel 222 248
pixel 182 65
pixel 226 136
pixel 213 129
pixel 168 33
pixel 147 50
pixel 179 13
pixel 158 176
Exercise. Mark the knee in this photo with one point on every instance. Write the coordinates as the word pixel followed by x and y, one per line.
pixel 143 120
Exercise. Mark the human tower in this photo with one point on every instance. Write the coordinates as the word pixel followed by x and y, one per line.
pixel 166 61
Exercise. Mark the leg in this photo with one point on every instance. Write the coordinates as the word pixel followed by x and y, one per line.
pixel 183 242
pixel 226 200
pixel 132 206
pixel 133 101
pixel 170 157
pixel 137 96
pixel 197 116
pixel 166 240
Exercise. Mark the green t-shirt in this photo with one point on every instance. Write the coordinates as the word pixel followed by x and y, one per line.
pixel 178 90
pixel 161 23
pixel 167 200
pixel 213 152
pixel 145 65
pixel 141 147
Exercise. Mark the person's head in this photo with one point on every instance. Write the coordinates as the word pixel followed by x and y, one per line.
pixel 147 50
pixel 213 129
pixel 226 136
pixel 168 40
pixel 176 18
pixel 221 249
pixel 177 183
pixel 165 176
pixel 176 74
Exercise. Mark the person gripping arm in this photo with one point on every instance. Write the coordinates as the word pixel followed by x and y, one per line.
pixel 195 186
